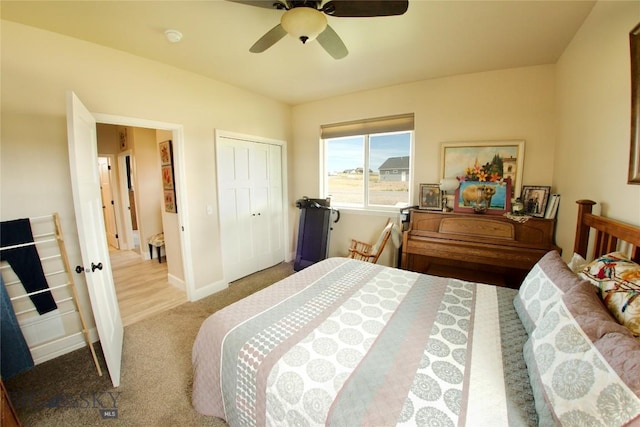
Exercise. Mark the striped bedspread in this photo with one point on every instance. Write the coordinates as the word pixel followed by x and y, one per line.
pixel 349 343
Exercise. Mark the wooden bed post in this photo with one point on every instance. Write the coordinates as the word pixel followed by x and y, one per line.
pixel 582 231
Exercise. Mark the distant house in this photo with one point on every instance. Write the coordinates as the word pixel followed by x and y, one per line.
pixel 395 169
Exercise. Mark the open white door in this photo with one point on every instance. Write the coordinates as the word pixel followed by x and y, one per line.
pixel 85 181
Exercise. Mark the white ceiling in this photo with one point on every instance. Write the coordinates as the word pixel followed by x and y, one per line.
pixel 433 39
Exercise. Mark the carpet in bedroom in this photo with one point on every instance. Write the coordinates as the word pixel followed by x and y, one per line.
pixel 156 380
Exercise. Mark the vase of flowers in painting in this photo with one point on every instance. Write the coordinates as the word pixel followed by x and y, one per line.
pixel 483 189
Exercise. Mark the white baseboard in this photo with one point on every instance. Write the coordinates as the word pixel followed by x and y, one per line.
pixel 177 282
pixel 56 348
pixel 209 289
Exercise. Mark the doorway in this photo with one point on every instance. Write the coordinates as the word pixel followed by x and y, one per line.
pixel 109 209
pixel 130 234
pixel 144 286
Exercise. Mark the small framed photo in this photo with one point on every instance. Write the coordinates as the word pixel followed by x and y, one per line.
pixel 122 136
pixel 535 199
pixel 430 197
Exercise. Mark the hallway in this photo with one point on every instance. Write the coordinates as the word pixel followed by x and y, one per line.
pixel 142 287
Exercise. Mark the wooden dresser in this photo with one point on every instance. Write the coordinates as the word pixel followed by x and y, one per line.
pixel 481 248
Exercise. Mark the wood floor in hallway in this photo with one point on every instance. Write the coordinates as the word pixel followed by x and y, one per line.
pixel 142 286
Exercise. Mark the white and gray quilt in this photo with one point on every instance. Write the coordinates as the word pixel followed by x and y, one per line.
pixel 348 343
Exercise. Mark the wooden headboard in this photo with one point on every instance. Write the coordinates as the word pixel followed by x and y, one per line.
pixel 608 233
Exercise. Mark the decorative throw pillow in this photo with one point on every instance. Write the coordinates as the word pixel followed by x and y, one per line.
pixel 619 281
pixel 615 342
pixel 542 289
pixel 582 379
pixel 586 307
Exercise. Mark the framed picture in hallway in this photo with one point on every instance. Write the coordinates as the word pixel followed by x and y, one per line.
pixel 170 201
pixel 168 179
pixel 166 153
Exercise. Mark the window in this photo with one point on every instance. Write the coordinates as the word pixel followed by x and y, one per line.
pixel 368 164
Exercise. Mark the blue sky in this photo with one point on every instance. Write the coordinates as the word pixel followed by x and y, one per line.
pixel 347 153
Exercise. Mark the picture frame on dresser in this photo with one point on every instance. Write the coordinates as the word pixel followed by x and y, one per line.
pixel 430 197
pixel 483 197
pixel 535 199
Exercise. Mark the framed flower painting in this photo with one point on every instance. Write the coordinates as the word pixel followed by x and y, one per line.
pixel 484 162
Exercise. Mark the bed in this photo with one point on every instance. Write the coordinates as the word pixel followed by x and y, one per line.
pixel 347 343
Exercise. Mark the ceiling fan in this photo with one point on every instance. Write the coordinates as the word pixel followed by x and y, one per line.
pixel 306 20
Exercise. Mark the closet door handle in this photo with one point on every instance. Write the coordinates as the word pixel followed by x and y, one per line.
pixel 79 269
pixel 94 266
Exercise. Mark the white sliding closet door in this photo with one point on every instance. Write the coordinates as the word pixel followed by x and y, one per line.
pixel 250 205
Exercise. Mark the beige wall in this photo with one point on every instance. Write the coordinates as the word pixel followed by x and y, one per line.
pixel 107 140
pixel 593 119
pixel 171 227
pixel 38 67
pixel 500 105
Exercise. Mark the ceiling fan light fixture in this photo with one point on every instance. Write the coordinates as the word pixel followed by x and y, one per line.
pixel 303 23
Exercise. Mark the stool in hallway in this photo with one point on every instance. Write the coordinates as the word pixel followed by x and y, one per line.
pixel 157 241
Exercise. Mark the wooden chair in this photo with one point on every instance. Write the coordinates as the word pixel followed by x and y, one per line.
pixel 367 252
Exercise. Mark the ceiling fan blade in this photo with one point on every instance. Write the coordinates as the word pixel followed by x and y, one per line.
pixel 365 8
pixel 332 43
pixel 269 39
pixel 268 4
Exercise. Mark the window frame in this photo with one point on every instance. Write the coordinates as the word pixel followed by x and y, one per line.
pixel 324 173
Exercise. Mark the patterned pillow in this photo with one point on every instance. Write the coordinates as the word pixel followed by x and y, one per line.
pixel 542 289
pixel 580 375
pixel 596 321
pixel 615 342
pixel 619 281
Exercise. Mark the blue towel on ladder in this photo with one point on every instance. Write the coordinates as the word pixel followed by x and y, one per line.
pixel 15 356
pixel 25 262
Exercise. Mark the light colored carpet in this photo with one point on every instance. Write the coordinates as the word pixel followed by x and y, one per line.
pixel 155 387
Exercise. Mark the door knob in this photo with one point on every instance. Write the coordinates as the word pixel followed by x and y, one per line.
pixel 79 269
pixel 94 266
